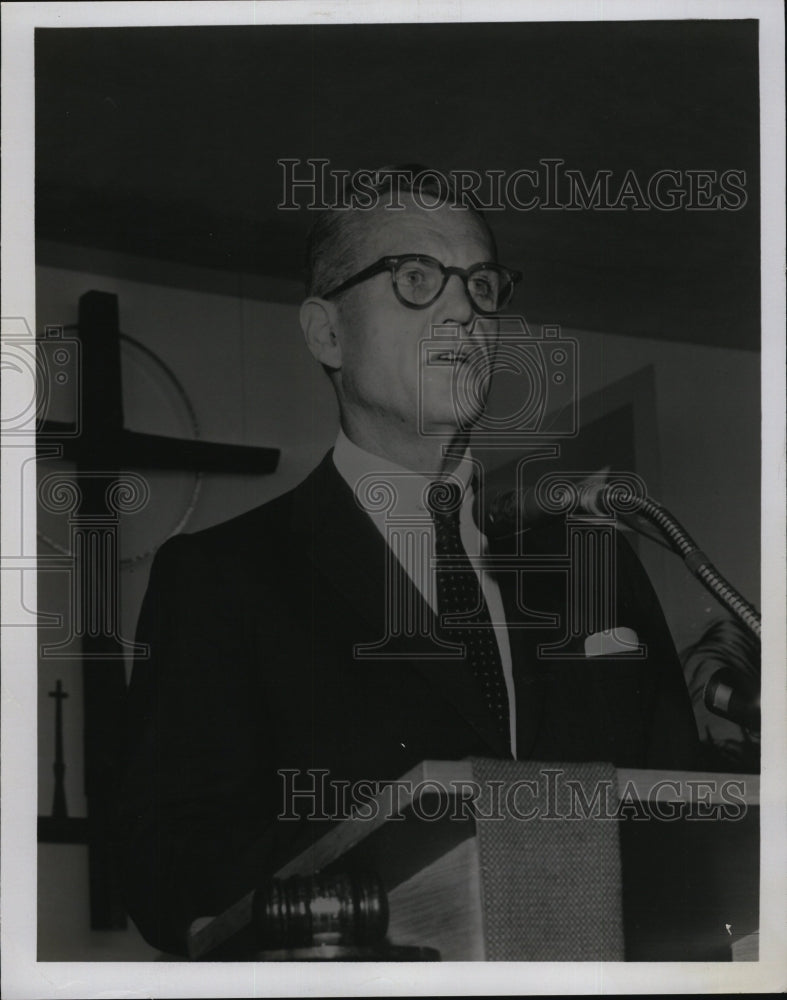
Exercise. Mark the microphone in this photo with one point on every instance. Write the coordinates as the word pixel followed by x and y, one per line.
pixel 726 694
pixel 510 511
pixel 626 499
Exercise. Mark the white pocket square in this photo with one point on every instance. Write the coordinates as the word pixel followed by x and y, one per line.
pixel 614 640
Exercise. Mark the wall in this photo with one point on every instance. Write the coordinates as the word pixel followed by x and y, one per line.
pixel 242 365
pixel 708 434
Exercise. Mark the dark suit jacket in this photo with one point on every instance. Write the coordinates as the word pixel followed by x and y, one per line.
pixel 251 627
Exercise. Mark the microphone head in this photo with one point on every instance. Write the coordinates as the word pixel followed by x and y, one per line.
pixel 512 511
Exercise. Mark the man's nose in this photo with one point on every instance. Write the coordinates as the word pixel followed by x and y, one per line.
pixel 455 304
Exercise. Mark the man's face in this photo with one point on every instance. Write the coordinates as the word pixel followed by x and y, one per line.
pixel 381 338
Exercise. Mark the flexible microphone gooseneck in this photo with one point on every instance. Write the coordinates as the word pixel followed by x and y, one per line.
pixel 515 510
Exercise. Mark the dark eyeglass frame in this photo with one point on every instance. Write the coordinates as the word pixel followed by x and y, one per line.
pixel 392 263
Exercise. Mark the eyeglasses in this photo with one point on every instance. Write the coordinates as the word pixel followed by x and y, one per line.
pixel 418 281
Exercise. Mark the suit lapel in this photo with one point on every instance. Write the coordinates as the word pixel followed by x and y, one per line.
pixel 340 540
pixel 346 548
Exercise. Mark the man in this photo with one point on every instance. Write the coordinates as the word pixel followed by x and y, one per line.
pixel 277 639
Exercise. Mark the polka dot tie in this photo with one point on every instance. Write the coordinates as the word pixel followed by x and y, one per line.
pixel 459 593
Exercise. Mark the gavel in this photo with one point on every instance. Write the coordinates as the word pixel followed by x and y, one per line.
pixel 322 917
pixel 318 910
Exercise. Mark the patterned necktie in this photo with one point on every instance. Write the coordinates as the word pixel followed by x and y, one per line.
pixel 459 593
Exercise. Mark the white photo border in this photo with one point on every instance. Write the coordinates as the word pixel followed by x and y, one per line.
pixel 23 976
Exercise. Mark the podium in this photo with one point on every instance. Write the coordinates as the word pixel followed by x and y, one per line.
pixel 537 861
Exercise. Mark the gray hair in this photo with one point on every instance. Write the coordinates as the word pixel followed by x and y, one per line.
pixel 334 244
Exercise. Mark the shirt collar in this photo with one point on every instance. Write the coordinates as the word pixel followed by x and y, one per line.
pixel 357 466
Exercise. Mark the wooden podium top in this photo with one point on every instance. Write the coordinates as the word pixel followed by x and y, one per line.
pixel 451 775
pixel 690 889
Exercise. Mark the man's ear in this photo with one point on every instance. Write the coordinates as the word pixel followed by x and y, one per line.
pixel 319 322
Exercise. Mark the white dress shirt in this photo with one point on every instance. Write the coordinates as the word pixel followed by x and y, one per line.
pixel 359 468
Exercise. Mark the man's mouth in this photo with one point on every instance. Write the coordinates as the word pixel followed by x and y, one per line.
pixel 451 357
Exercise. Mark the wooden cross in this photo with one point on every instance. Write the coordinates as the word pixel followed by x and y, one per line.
pixel 101 446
